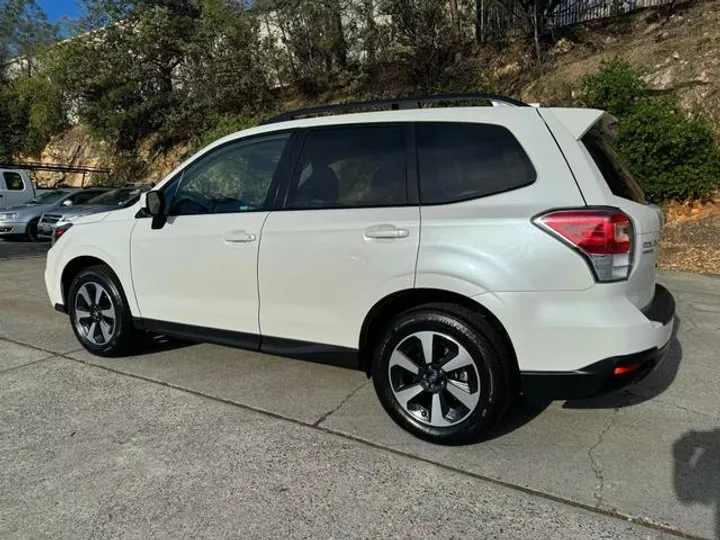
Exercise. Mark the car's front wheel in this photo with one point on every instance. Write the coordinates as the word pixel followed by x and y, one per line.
pixel 32 230
pixel 99 313
pixel 440 375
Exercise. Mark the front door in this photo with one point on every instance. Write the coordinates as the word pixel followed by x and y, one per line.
pixel 348 236
pixel 200 269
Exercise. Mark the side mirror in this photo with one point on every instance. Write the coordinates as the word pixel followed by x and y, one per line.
pixel 155 206
pixel 68 202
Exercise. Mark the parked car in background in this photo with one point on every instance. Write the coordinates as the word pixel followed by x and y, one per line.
pixel 22 219
pixel 115 199
pixel 16 187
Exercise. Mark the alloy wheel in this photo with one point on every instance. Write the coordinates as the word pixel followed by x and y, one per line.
pixel 434 379
pixel 95 314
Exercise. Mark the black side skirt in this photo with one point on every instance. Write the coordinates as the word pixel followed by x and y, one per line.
pixel 301 350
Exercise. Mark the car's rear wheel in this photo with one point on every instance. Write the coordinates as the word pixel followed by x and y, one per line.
pixel 99 314
pixel 32 230
pixel 438 372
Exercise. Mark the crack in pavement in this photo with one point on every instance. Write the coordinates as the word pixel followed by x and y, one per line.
pixel 595 462
pixel 533 492
pixel 343 402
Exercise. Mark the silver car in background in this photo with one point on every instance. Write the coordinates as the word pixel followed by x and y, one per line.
pixel 114 199
pixel 22 220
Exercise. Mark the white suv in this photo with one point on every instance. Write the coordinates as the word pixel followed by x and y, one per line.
pixel 458 255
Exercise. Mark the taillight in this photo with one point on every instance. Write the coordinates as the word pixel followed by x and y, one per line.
pixel 60 231
pixel 603 236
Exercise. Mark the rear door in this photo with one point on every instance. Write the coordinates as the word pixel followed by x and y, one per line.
pixel 346 237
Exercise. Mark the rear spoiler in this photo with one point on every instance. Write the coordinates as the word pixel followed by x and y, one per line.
pixel 579 121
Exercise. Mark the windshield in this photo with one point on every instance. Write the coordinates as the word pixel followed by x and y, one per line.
pixel 49 197
pixel 119 196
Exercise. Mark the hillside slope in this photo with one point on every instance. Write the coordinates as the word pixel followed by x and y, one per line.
pixel 678 48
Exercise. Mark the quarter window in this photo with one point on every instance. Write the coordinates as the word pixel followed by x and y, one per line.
pixel 351 167
pixel 13 181
pixel 461 161
pixel 234 178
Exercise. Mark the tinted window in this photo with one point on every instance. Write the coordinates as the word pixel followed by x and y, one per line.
pixel 234 178
pixel 351 167
pixel 119 197
pixel 85 196
pixel 464 161
pixel 618 178
pixel 48 197
pixel 13 181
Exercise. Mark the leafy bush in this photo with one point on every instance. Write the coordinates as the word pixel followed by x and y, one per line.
pixel 672 153
pixel 615 88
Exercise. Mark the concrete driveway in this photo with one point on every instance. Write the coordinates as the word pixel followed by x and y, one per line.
pixel 201 441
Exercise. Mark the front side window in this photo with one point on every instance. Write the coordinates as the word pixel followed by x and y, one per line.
pixel 13 181
pixel 462 161
pixel 234 178
pixel 351 167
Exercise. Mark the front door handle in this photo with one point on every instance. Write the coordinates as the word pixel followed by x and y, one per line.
pixel 239 237
pixel 386 231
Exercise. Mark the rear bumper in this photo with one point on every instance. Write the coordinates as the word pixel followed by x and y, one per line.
pixel 609 374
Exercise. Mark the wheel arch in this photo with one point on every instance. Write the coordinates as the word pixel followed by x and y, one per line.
pixel 74 267
pixel 392 305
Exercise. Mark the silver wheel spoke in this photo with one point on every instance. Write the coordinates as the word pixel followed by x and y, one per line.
pixel 98 294
pixel 82 314
pixel 437 416
pixel 106 332
pixel 403 396
pixel 85 295
pixel 461 360
pixel 108 313
pixel 91 332
pixel 464 397
pixel 426 338
pixel 399 358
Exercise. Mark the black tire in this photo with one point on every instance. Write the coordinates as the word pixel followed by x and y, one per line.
pixel 121 333
pixel 488 353
pixel 32 231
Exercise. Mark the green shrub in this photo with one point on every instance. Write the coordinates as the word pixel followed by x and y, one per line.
pixel 615 88
pixel 672 153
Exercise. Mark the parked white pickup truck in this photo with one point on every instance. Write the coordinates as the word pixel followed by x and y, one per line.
pixel 16 187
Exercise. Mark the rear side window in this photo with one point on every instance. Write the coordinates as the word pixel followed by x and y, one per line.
pixel 618 178
pixel 13 181
pixel 461 161
pixel 351 167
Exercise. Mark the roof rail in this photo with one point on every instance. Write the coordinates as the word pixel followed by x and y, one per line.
pixel 397 104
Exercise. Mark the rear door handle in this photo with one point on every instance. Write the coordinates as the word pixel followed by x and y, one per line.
pixel 239 237
pixel 386 231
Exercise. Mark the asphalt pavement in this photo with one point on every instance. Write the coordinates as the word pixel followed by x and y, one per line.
pixel 20 249
pixel 202 441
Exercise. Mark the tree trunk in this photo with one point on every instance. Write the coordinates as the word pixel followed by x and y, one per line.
pixel 370 31
pixel 339 43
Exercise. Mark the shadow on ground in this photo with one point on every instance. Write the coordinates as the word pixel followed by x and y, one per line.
pixel 650 387
pixel 155 343
pixel 697 470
